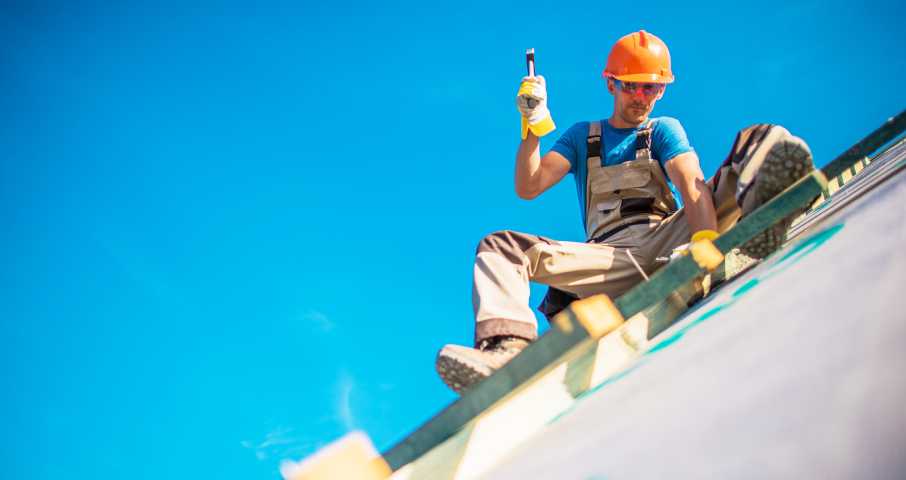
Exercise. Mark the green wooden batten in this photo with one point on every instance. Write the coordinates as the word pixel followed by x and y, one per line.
pixel 875 140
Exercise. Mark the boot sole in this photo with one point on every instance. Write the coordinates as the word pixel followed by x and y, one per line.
pixel 785 163
pixel 459 372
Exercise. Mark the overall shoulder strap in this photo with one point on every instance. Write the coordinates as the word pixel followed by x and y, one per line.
pixel 594 141
pixel 643 142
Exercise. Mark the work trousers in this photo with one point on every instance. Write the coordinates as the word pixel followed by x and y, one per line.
pixel 507 261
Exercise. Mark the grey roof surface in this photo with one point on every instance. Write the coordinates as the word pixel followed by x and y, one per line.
pixel 881 168
pixel 797 369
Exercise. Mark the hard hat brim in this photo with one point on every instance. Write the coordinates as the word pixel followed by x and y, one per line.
pixel 643 78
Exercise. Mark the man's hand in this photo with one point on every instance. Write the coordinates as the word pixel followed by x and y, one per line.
pixel 532 103
pixel 686 248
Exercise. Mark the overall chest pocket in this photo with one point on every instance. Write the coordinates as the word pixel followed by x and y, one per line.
pixel 635 174
pixel 606 206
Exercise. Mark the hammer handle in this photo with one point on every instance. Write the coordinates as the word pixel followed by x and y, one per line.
pixel 530 65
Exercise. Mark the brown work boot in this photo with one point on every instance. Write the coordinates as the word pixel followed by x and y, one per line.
pixel 786 162
pixel 461 368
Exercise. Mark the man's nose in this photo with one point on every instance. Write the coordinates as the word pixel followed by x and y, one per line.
pixel 639 94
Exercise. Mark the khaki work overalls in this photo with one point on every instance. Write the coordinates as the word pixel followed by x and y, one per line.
pixel 628 207
pixel 626 193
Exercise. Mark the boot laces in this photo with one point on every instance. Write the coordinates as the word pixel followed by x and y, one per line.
pixel 498 344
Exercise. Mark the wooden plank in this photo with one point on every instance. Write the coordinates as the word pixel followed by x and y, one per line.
pixel 352 456
pixel 833 185
pixel 614 348
pixel 865 147
pixel 734 263
pixel 578 376
pixel 663 313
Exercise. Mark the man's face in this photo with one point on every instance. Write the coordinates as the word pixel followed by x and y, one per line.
pixel 633 108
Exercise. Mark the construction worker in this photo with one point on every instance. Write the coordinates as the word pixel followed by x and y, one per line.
pixel 643 197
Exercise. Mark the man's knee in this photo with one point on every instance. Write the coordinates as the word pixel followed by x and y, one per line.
pixel 748 136
pixel 489 242
pixel 512 245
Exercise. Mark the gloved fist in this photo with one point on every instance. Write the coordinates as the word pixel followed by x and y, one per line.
pixel 686 248
pixel 532 103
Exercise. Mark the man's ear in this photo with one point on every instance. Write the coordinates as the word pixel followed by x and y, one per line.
pixel 610 86
pixel 663 89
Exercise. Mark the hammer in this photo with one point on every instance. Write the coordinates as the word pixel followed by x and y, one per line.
pixel 530 64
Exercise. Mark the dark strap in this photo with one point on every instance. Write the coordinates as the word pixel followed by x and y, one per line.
pixel 555 301
pixel 610 233
pixel 594 140
pixel 643 141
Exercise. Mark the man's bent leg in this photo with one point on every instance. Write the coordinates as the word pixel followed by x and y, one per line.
pixel 764 161
pixel 500 287
pixel 504 323
pixel 505 263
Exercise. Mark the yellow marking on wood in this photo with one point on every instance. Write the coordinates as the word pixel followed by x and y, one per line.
pixel 597 314
pixel 846 175
pixel 406 472
pixel 833 185
pixel 563 322
pixel 706 255
pixel 615 347
pixel 352 457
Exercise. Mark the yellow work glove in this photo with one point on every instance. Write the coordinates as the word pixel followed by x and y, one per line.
pixel 704 234
pixel 532 103
pixel 685 248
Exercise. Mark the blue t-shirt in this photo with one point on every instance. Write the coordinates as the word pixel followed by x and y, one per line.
pixel 668 139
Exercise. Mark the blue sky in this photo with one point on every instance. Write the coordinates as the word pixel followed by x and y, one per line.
pixel 234 231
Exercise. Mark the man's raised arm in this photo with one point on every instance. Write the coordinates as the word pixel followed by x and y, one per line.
pixel 534 173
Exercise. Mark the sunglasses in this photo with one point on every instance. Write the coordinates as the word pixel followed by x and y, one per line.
pixel 632 87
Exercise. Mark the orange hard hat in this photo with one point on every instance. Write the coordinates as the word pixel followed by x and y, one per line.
pixel 639 57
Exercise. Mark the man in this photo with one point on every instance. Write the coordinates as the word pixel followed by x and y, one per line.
pixel 643 195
